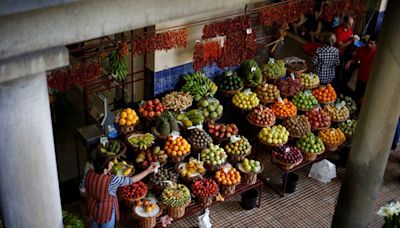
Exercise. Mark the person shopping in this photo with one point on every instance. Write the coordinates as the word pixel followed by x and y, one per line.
pixel 326 59
pixel 101 190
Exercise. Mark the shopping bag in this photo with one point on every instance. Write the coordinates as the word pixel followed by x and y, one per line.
pixel 204 219
pixel 323 171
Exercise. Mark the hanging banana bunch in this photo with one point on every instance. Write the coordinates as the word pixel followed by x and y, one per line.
pixel 118 66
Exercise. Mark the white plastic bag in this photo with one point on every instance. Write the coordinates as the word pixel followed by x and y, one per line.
pixel 323 171
pixel 204 219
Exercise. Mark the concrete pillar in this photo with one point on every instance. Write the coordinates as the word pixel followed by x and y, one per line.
pixel 29 193
pixel 374 134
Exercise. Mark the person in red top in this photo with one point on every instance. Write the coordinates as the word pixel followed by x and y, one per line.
pixel 101 189
pixel 365 55
pixel 344 34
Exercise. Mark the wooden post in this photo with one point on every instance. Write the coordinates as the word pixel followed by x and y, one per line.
pixel 374 134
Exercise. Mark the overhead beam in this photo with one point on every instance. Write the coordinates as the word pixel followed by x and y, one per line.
pixel 63 24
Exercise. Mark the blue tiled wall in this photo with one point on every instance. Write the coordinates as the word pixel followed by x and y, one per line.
pixel 168 79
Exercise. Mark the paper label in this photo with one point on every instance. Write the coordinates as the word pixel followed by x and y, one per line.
pixel 280 99
pixel 253 69
pixel 104 141
pixel 249 31
pixel 311 74
pixel 226 167
pixel 340 105
pixel 200 126
pixel 348 121
pixel 271 60
pixel 247 92
pixel 169 183
pixel 307 92
pixel 157 167
pixel 287 150
pixel 175 135
pixel 234 138
pixel 292 75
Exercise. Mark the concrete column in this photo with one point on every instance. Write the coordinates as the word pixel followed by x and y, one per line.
pixel 374 134
pixel 29 193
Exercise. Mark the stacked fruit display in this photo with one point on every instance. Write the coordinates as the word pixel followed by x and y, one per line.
pixel 274 69
pixel 229 81
pixel 289 155
pixel 141 141
pixel 338 112
pixel 309 81
pixel 238 148
pixel 222 131
pixel 191 118
pixel 227 177
pixel 199 86
pixel 250 166
pixel 267 93
pixel 177 195
pixel 127 117
pixel 305 101
pixel 325 94
pixel 213 156
pixel 112 148
pixel 204 187
pixel 310 144
pixel 246 100
pixel 146 157
pixel 348 127
pixel 161 178
pixel 284 109
pixel 332 137
pixel 165 125
pixel 151 108
pixel 136 190
pixel 274 136
pixel 289 86
pixel 121 168
pixel 198 139
pixel 298 66
pixel 251 73
pixel 297 126
pixel 261 116
pixel 211 108
pixel 177 101
pixel 177 147
pixel 318 118
pixel 192 168
pixel 146 205
pixel 350 103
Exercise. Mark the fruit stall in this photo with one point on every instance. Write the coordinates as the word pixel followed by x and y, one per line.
pixel 208 134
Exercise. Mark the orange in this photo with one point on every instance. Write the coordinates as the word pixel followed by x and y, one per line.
pixel 173 153
pixel 128 123
pixel 122 122
pixel 130 116
pixel 128 110
pixel 179 153
pixel 123 115
pixel 175 148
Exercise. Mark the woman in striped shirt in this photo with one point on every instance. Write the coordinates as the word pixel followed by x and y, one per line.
pixel 101 188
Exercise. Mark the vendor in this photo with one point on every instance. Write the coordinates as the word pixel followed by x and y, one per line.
pixel 101 187
pixel 365 55
pixel 344 34
pixel 326 59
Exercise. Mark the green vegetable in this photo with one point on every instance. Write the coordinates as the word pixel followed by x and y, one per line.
pixel 71 220
pixel 274 69
pixel 251 73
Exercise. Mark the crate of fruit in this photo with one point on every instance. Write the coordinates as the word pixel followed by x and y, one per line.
pixel 287 157
pixel 227 177
pixel 274 136
pixel 311 146
pixel 177 148
pixel 274 69
pixel 309 80
pixel 113 148
pixel 332 138
pixel 133 192
pixel 211 109
pixel 261 116
pixel 237 148
pixel 319 118
pixel 249 170
pixel 205 190
pixel 297 126
pixel 229 83
pixel 127 121
pixel 338 112
pixel 267 93
pixel 283 109
pixel 213 157
pixel 176 198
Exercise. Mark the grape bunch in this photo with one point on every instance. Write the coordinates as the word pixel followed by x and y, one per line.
pixel 288 154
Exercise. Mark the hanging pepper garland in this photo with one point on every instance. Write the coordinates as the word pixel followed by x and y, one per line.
pixel 336 8
pixel 161 41
pixel 285 13
pixel 67 77
pixel 239 45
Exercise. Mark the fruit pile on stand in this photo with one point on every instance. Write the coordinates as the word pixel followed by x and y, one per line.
pixel 199 134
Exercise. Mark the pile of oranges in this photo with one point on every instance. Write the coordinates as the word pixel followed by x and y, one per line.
pixel 177 147
pixel 284 109
pixel 232 177
pixel 325 94
pixel 127 117
pixel 332 136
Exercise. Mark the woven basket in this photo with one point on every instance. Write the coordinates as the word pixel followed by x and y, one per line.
pixel 284 165
pixel 227 190
pixel 177 212
pixel 311 87
pixel 122 149
pixel 310 156
pixel 327 103
pixel 134 147
pixel 212 168
pixel 147 222
pixel 206 201
pixel 330 147
pixel 259 125
pixel 230 93
pixel 177 159
pixel 236 158
pixel 272 145
pixel 249 178
pixel 341 120
pixel 297 72
pixel 303 109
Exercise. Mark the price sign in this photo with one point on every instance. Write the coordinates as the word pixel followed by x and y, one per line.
pixel 249 31
pixel 340 105
pixel 234 138
pixel 253 69
pixel 247 92
pixel 292 75
pixel 200 126
pixel 271 60
pixel 104 141
pixel 280 99
pixel 287 150
pixel 307 92
pixel 226 167
pixel 175 135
